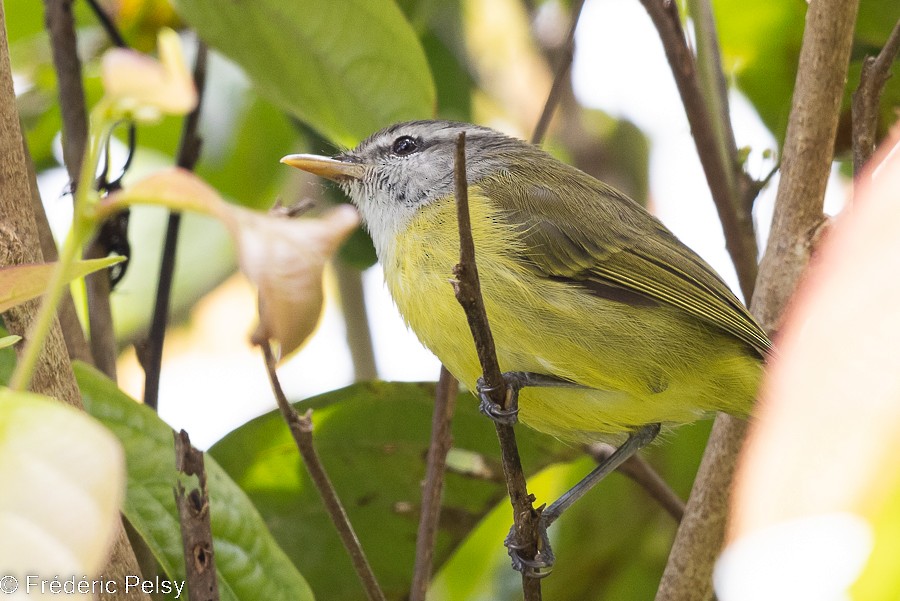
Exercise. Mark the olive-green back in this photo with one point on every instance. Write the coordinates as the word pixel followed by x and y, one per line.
pixel 577 229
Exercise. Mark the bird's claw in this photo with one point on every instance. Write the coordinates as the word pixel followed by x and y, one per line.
pixel 488 407
pixel 541 564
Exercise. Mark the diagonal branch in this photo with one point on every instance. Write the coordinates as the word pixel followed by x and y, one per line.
pixel 559 77
pixel 713 138
pixel 301 429
pixel 875 73
pixel 468 292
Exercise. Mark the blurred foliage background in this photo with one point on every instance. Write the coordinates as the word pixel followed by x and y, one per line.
pixel 319 75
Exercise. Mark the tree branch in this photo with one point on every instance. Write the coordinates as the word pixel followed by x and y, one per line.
pixel 441 441
pixel 194 517
pixel 468 292
pixel 875 73
pixel 807 157
pixel 712 136
pixel 301 429
pixel 64 45
pixel 188 154
pixel 559 77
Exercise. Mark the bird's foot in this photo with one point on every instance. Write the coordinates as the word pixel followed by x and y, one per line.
pixel 538 566
pixel 514 381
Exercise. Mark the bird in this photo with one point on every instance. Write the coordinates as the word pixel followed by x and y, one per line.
pixel 616 325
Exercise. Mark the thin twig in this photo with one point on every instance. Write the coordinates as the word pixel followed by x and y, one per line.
pixel 188 154
pixel 806 164
pixel 98 286
pixel 719 161
pixel 441 440
pixel 104 347
pixel 194 517
pixel 112 32
pixel 68 318
pixel 559 76
pixel 641 472
pixel 64 44
pixel 301 429
pixel 875 73
pixel 468 292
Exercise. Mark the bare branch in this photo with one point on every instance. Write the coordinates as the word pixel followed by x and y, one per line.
pixel 107 24
pixel 103 334
pixel 301 429
pixel 441 441
pixel 716 152
pixel 688 573
pixel 194 517
pixel 61 26
pixel 875 73
pixel 468 292
pixel 559 77
pixel 188 154
pixel 806 163
pixel 807 155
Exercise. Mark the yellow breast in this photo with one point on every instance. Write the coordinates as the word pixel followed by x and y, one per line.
pixel 623 355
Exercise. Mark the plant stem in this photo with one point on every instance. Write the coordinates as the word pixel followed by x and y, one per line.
pixel 875 73
pixel 302 431
pixel 441 441
pixel 82 228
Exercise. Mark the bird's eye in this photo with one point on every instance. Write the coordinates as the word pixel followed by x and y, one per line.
pixel 404 145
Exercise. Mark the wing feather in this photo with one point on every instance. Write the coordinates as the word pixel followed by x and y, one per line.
pixel 580 230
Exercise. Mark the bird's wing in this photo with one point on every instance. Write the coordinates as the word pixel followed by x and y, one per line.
pixel 615 249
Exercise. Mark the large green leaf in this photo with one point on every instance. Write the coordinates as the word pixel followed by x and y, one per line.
pixel 249 562
pixel 373 440
pixel 347 68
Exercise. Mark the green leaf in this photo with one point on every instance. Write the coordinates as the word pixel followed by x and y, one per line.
pixel 20 283
pixel 761 48
pixel 7 358
pixel 249 563
pixel 347 68
pixel 62 475
pixel 7 341
pixel 373 439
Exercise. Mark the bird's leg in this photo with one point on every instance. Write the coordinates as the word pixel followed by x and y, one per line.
pixel 541 565
pixel 515 381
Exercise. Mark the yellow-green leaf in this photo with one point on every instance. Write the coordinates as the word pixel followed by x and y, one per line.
pixel 21 283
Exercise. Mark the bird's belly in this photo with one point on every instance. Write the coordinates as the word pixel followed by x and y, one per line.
pixel 620 355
